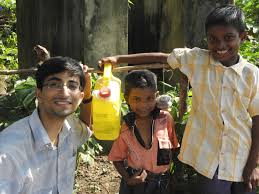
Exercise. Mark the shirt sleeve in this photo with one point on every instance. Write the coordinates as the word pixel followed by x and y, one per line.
pixel 119 150
pixel 81 131
pixel 253 108
pixel 10 180
pixel 186 59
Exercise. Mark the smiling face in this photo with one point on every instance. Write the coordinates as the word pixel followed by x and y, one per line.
pixel 224 42
pixel 142 101
pixel 56 101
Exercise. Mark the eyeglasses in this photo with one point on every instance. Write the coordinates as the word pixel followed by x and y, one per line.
pixel 71 85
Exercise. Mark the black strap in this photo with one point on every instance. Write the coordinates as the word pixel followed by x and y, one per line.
pixel 130 119
pixel 139 138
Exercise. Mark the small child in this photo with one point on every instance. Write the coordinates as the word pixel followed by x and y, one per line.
pixel 220 140
pixel 142 152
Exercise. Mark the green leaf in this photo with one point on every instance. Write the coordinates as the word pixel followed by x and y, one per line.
pixel 29 101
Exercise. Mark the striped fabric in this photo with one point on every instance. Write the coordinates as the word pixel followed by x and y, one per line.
pixel 218 132
pixel 30 164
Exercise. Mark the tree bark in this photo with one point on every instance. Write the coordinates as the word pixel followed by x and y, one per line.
pixel 81 29
pixel 195 13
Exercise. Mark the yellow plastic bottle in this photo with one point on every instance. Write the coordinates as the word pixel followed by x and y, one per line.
pixel 106 105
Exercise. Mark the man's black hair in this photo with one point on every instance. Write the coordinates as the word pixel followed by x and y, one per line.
pixel 140 79
pixel 59 64
pixel 228 15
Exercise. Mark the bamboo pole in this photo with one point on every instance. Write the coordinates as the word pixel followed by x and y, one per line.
pixel 92 70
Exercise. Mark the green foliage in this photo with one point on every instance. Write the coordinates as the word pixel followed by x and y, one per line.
pixel 88 151
pixel 130 3
pixel 250 49
pixel 17 104
pixel 8 51
pixel 8 38
pixel 8 42
pixel 251 10
pixel 8 4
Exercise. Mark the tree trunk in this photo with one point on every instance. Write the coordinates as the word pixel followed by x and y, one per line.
pixel 195 13
pixel 82 29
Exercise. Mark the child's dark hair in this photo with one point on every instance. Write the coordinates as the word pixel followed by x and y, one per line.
pixel 59 64
pixel 226 15
pixel 140 79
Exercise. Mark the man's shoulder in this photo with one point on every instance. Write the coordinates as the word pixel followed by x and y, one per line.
pixel 14 136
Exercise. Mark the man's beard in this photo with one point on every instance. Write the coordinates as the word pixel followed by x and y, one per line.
pixel 63 114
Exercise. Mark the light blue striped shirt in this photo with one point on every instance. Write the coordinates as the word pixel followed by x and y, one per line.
pixel 29 164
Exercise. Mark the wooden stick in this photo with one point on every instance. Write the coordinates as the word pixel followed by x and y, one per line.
pixel 92 70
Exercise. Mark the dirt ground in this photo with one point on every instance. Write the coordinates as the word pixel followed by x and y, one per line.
pixel 101 177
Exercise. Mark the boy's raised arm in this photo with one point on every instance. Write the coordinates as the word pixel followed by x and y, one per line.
pixel 140 58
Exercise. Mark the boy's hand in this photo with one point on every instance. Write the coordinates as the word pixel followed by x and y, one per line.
pixel 113 60
pixel 137 178
pixel 251 177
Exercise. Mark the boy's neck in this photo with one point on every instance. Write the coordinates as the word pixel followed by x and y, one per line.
pixel 231 62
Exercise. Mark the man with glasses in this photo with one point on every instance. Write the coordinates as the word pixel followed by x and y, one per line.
pixel 38 153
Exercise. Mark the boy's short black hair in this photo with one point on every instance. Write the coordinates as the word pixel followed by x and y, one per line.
pixel 140 79
pixel 226 15
pixel 59 64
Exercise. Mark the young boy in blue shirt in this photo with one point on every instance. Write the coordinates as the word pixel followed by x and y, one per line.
pixel 221 137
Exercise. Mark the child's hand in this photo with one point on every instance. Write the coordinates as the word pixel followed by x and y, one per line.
pixel 113 60
pixel 137 178
pixel 251 178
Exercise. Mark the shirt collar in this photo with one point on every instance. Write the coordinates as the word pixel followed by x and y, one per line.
pixel 40 134
pixel 64 133
pixel 238 67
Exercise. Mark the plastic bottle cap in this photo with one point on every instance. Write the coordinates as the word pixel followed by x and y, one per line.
pixel 105 92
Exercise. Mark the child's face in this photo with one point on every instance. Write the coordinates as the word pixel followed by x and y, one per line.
pixel 142 101
pixel 224 42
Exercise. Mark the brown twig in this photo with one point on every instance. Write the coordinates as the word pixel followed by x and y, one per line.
pixel 91 70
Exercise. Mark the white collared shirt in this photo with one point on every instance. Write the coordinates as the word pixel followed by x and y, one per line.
pixel 224 99
pixel 30 164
